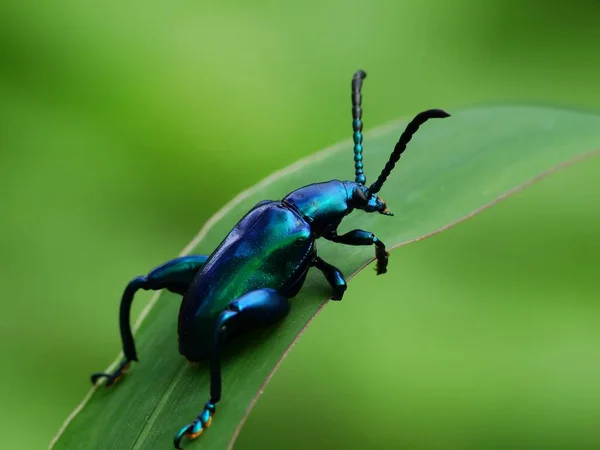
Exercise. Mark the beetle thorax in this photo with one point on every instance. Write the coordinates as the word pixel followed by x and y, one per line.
pixel 321 204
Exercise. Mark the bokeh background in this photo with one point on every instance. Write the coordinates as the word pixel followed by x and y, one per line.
pixel 125 125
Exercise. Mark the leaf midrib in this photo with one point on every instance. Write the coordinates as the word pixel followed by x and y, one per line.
pixel 145 430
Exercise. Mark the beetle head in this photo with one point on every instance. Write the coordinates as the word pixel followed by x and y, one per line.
pixel 363 199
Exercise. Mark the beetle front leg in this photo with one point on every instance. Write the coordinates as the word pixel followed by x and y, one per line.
pixel 334 277
pixel 361 237
pixel 262 307
pixel 175 276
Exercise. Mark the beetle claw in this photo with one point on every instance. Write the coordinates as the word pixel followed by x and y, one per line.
pixel 382 256
pixel 338 292
pixel 112 378
pixel 179 436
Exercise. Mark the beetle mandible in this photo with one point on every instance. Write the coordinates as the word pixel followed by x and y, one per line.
pixel 262 263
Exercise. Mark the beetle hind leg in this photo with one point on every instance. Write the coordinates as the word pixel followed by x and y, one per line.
pixel 175 276
pixel 259 308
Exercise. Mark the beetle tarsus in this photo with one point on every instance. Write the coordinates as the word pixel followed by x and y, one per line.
pixel 112 378
pixel 195 429
pixel 382 256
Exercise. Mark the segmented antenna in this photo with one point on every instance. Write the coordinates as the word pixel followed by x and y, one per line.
pixel 357 125
pixel 405 138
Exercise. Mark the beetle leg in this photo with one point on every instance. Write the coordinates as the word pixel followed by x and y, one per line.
pixel 262 307
pixel 361 237
pixel 334 277
pixel 175 276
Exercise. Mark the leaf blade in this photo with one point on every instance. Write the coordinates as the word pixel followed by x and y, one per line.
pixel 470 160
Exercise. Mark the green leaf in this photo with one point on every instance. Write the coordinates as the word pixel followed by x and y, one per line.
pixel 452 169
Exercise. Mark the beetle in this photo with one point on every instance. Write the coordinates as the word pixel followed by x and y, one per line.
pixel 262 263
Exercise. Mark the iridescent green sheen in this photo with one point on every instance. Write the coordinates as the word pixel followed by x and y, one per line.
pixel 270 247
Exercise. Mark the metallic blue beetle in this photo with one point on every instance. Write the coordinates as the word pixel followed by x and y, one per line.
pixel 263 261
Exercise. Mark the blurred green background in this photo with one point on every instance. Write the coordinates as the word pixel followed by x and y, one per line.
pixel 124 126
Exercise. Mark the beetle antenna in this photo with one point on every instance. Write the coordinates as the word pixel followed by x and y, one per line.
pixel 405 138
pixel 357 124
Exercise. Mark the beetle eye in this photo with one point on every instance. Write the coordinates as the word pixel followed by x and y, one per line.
pixel 360 196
